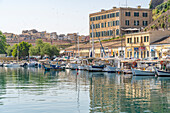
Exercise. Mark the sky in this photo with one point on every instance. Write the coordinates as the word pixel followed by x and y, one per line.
pixel 61 16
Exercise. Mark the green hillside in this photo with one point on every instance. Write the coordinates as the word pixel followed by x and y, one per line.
pixel 160 9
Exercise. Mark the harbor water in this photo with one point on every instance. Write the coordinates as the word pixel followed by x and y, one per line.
pixel 36 91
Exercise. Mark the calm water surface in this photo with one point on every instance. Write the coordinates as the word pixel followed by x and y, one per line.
pixel 35 91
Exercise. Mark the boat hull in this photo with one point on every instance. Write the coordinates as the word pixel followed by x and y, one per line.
pixel 136 72
pixel 162 74
pixel 96 68
pixel 109 69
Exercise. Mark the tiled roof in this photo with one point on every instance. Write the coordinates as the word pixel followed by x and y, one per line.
pixel 164 40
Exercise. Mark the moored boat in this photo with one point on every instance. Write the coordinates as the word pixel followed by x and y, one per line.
pixel 96 68
pixel 109 69
pixel 161 73
pixel 139 72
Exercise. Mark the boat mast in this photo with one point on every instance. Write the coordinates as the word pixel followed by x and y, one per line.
pixel 92 42
pixel 78 45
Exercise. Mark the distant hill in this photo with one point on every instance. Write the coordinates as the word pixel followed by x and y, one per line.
pixel 154 3
pixel 160 15
pixel 160 9
pixel 162 22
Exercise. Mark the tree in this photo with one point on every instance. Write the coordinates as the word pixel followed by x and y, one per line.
pixel 3 44
pixel 23 48
pixel 36 50
pixel 42 49
pixel 9 50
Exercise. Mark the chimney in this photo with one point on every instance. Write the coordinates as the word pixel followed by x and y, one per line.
pixel 114 7
pixel 139 6
pixel 102 10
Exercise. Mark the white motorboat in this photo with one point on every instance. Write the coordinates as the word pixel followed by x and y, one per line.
pixel 81 67
pixel 139 72
pixel 33 64
pixel 7 64
pixel 11 65
pixel 109 69
pixel 96 68
pixel 162 73
pixel 72 66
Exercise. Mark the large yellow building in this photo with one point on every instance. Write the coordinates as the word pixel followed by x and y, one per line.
pixel 138 44
pixel 118 21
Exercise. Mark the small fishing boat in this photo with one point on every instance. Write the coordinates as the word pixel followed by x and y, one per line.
pixel 139 72
pixel 162 73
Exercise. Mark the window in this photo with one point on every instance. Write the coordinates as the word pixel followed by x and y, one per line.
pixel 117 32
pixel 96 26
pixel 104 33
pixel 91 19
pixel 135 40
pixel 99 25
pixel 127 54
pixel 141 38
pixel 112 15
pixel 127 40
pixel 94 18
pixel 136 22
pixel 147 38
pixel 145 23
pixel 147 53
pixel 105 24
pixel 111 33
pixel 108 15
pixel 98 17
pixel 127 22
pixel 144 38
pixel 102 24
pixel 117 22
pixel 107 33
pixel 131 54
pixel 108 24
pixel 127 14
pixel 93 26
pixel 113 23
pixel 104 16
pixel 136 14
pixel 145 14
pixel 144 54
pixel 117 14
pixel 130 40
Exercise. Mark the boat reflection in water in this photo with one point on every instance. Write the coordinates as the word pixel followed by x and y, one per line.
pixel 81 91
